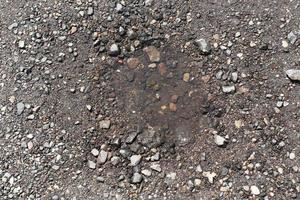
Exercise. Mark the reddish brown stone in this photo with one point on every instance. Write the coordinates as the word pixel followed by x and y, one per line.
pixel 162 68
pixel 133 63
pixel 173 107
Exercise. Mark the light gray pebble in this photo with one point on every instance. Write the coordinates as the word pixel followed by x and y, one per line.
pixel 228 89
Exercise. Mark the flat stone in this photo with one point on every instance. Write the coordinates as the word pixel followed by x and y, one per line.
pixel 203 46
pixel 156 167
pixel 153 53
pixel 135 160
pixel 133 63
pixel 131 137
pixel 228 89
pixel 105 124
pixel 146 172
pixel 20 108
pixel 293 74
pixel 102 157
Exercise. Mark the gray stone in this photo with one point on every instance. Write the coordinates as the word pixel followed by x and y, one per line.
pixel 153 53
pixel 12 26
pixel 293 74
pixel 292 37
pixel 105 124
pixel 20 108
pixel 146 172
pixel 131 137
pixel 219 140
pixel 151 137
pixel 135 160
pixel 228 89
pixel 114 50
pixel 91 164
pixel 95 152
pixel 156 167
pixel 203 46
pixel 90 11
pixel 21 44
pixel 136 178
pixel 119 7
pixel 254 190
pixel 102 157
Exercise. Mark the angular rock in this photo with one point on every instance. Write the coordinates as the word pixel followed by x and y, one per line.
pixel 105 124
pixel 219 140
pixel 153 53
pixel 293 74
pixel 114 50
pixel 91 164
pixel 135 160
pixel 203 46
pixel 136 178
pixel 102 157
pixel 151 137
pixel 228 89
pixel 20 108
pixel 292 37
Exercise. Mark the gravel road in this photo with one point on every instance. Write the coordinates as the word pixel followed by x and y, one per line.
pixel 149 99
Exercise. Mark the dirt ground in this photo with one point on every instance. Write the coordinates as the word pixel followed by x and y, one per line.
pixel 149 99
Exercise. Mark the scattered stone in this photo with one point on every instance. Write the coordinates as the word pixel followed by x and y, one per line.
pixel 186 77
pixel 162 68
pixel 228 89
pixel 20 108
pixel 146 172
pixel 119 7
pixel 115 160
pixel 293 74
pixel 219 140
pixel 285 44
pixel 254 190
pixel 21 44
pixel 203 46
pixel 152 65
pixel 114 50
pixel 102 157
pixel 91 164
pixel 90 11
pixel 100 179
pixel 133 63
pixel 136 178
pixel 95 152
pixel 12 26
pixel 173 107
pixel 151 137
pixel 210 176
pixel 105 124
pixel 131 137
pixel 292 37
pixel 199 169
pixel 292 156
pixel 153 53
pixel 156 167
pixel 135 160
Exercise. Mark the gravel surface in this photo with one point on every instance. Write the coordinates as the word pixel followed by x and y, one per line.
pixel 149 99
